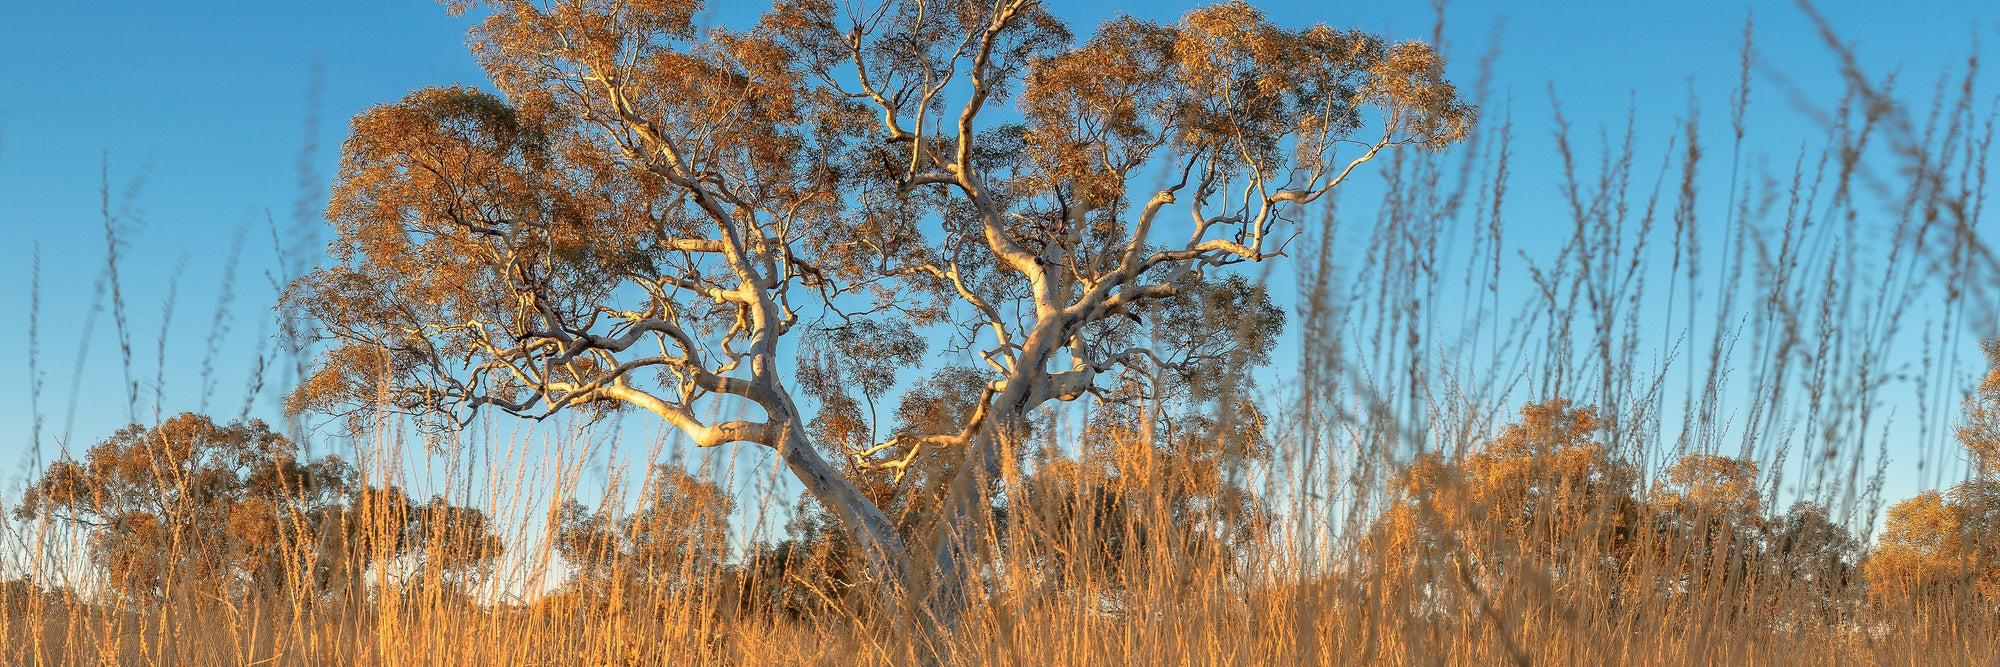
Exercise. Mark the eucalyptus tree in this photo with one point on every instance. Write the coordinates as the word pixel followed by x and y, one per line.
pixel 648 211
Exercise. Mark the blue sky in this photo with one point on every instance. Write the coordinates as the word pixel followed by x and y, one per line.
pixel 207 102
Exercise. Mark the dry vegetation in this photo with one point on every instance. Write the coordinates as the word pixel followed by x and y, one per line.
pixel 1639 448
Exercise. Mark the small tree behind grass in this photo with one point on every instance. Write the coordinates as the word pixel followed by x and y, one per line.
pixel 200 512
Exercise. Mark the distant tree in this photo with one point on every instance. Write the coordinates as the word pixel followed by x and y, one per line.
pixel 1942 550
pixel 1938 550
pixel 648 211
pixel 1712 488
pixel 813 571
pixel 1708 521
pixel 234 509
pixel 1815 562
pixel 1548 483
pixel 1543 504
pixel 676 541
pixel 1979 426
pixel 191 503
pixel 1174 498
pixel 452 547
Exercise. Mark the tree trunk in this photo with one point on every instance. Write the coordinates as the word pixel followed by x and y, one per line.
pixel 882 547
pixel 967 515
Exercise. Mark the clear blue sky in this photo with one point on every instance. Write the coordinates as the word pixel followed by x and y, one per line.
pixel 208 101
